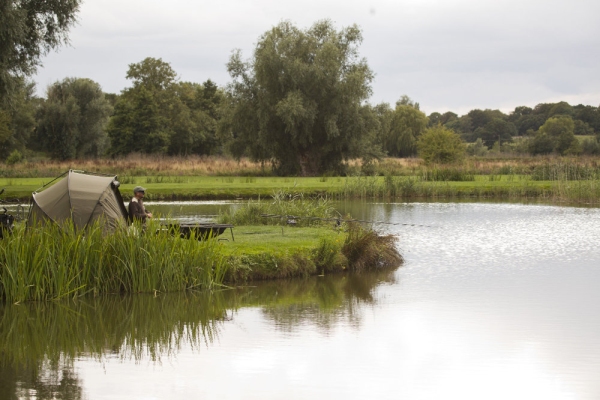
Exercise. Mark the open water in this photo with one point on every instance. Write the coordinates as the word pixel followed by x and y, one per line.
pixel 495 301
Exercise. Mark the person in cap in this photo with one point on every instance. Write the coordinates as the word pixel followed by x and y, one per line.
pixel 137 211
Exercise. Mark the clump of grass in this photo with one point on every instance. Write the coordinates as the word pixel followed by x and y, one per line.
pixel 365 248
pixel 283 208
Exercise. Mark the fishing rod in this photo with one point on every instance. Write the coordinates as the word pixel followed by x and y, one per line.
pixel 291 220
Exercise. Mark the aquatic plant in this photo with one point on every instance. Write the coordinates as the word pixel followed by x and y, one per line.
pixel 52 262
pixel 283 208
pixel 365 248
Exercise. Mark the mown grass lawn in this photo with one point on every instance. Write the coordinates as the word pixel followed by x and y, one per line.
pixel 276 240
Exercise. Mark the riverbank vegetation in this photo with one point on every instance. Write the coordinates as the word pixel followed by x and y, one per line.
pixel 53 262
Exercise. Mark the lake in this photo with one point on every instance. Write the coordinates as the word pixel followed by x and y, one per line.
pixel 495 301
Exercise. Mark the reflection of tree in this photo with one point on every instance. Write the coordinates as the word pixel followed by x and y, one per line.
pixel 40 341
pixel 326 301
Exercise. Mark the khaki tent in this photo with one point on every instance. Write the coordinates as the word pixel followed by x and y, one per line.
pixel 82 198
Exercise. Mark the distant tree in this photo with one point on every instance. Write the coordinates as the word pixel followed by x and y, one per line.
pixel 590 146
pixel 582 128
pixel 519 112
pixel 152 74
pixel 17 118
pixel 556 135
pixel 407 101
pixel 298 101
pixel 159 114
pixel 541 143
pixel 448 117
pixel 406 124
pixel 589 115
pixel 434 119
pixel 29 29
pixel 111 98
pixel 140 122
pixel 204 102
pixel 463 126
pixel 560 108
pixel 440 144
pixel 497 130
pixel 560 130
pixel 71 122
pixel 478 148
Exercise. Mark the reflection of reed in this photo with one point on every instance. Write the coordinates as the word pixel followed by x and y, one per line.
pixel 130 326
pixel 40 341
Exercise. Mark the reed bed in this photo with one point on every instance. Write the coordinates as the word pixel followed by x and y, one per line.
pixel 280 209
pixel 53 262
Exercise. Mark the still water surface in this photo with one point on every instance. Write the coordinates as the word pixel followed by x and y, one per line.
pixel 495 301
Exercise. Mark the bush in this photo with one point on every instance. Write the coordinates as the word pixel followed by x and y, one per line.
pixel 440 144
pixel 590 146
pixel 14 157
pixel 478 148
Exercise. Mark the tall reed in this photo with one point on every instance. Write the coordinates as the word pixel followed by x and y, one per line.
pixel 282 207
pixel 52 262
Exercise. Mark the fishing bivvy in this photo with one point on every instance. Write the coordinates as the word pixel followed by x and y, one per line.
pixel 80 197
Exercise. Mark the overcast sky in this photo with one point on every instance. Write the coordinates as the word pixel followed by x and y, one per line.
pixel 445 54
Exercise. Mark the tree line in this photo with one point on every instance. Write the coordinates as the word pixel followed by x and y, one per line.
pixel 300 103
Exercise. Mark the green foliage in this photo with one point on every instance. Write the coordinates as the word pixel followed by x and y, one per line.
pixel 297 102
pixel 29 29
pixel 560 130
pixel 497 130
pixel 283 208
pixel 17 117
pixel 52 262
pixel 564 171
pixel 14 157
pixel 406 124
pixel 440 145
pixel 161 115
pixel 446 174
pixel 541 144
pixel 72 120
pixel 477 149
pixel 590 146
pixel 365 248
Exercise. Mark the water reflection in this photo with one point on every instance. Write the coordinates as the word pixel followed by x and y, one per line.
pixel 39 342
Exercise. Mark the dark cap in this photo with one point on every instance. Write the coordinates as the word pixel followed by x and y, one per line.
pixel 138 189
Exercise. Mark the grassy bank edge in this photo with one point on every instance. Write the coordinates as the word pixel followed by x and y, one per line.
pixel 358 249
pixel 50 262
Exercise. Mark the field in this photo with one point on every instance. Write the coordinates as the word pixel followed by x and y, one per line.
pixel 195 178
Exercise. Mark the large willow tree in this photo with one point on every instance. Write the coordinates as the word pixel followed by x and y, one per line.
pixel 298 102
pixel 29 29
